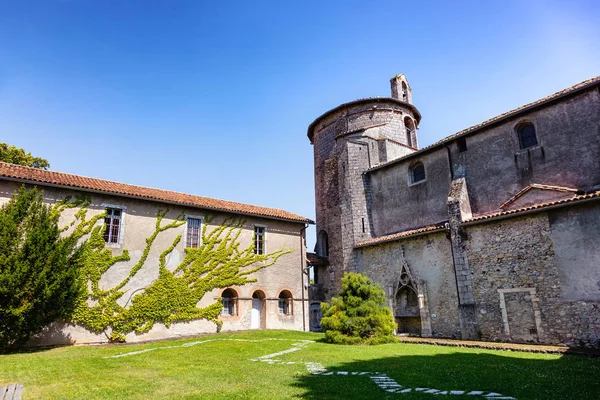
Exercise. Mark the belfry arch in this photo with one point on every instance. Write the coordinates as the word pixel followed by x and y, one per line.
pixel 410 305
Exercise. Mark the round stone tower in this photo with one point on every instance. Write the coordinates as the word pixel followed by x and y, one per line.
pixel 348 140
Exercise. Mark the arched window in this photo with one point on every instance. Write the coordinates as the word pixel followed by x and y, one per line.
pixel 285 303
pixel 526 134
pixel 323 242
pixel 410 129
pixel 404 92
pixel 229 297
pixel 417 173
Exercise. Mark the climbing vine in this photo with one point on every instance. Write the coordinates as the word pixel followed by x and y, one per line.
pixel 218 262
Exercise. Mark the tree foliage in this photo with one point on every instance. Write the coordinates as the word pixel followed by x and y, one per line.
pixel 39 269
pixel 16 155
pixel 359 314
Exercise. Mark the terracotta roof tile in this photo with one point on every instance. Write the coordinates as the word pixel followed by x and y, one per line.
pixel 539 206
pixel 314 259
pixel 35 175
pixel 400 235
pixel 536 186
pixel 572 89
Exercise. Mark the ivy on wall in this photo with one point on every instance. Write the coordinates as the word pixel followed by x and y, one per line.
pixel 218 262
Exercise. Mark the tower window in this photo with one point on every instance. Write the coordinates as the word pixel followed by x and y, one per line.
pixel 404 92
pixel 417 173
pixel 323 244
pixel 410 129
pixel 461 143
pixel 526 135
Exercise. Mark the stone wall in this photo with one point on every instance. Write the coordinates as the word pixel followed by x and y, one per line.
pixel 429 259
pixel 535 277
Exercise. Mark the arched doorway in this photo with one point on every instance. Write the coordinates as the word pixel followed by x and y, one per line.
pixel 258 312
pixel 407 313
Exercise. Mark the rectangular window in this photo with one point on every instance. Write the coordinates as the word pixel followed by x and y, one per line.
pixel 112 225
pixel 259 240
pixel 227 307
pixel 284 306
pixel 193 233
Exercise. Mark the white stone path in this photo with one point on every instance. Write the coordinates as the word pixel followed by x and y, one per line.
pixel 381 380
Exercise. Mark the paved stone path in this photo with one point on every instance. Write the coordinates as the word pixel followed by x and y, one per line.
pixel 381 380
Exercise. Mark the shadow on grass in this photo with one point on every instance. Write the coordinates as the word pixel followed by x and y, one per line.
pixel 523 376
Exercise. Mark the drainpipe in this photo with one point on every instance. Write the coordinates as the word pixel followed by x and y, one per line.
pixel 302 273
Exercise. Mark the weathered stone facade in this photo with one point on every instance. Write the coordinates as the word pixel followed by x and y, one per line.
pixel 497 230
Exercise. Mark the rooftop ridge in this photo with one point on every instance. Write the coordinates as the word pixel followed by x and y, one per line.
pixel 62 179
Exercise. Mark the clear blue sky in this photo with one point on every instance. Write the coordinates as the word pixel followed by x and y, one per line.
pixel 214 98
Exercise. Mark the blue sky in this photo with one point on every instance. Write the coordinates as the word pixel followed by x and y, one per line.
pixel 214 98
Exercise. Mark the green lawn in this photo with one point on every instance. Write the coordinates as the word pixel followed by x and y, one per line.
pixel 223 369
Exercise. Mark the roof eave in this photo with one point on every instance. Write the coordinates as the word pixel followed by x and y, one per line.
pixel 414 109
pixel 130 196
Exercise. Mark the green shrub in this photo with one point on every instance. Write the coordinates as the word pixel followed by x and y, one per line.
pixel 39 281
pixel 359 315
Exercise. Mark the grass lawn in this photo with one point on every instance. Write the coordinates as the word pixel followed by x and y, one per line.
pixel 223 369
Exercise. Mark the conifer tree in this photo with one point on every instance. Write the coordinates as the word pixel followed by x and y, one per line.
pixel 359 314
pixel 39 281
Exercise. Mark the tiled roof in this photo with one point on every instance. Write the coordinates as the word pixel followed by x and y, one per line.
pixel 561 93
pixel 575 88
pixel 314 259
pixel 539 206
pixel 400 235
pixel 537 186
pixel 36 175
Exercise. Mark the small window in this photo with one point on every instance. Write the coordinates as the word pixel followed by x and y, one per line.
pixel 323 242
pixel 112 225
pixel 526 134
pixel 259 240
pixel 417 173
pixel 410 130
pixel 461 143
pixel 404 92
pixel 193 237
pixel 285 303
pixel 229 297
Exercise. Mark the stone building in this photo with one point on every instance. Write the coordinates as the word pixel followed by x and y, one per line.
pixel 277 300
pixel 492 233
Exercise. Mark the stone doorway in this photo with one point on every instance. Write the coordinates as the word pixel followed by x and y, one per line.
pixel 407 313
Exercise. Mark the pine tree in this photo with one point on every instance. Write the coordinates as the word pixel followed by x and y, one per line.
pixel 39 281
pixel 359 314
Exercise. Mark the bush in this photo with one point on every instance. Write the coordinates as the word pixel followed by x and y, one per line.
pixel 39 281
pixel 359 315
